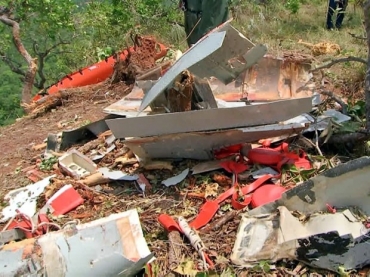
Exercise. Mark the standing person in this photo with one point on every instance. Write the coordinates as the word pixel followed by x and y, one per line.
pixel 341 5
pixel 201 16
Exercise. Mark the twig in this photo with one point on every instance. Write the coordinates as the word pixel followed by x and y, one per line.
pixel 317 138
pixel 217 225
pixel 356 36
pixel 191 32
pixel 336 99
pixel 174 251
pixel 341 60
pixel 313 144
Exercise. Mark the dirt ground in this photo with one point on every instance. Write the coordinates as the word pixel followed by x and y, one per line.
pixel 85 105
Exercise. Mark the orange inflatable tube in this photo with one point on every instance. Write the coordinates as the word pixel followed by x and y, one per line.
pixel 95 73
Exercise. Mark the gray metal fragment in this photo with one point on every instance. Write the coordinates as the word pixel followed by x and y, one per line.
pixel 111 246
pixel 224 54
pixel 284 236
pixel 209 119
pixel 199 145
pixel 342 186
pixel 345 186
pixel 236 55
pixel 203 48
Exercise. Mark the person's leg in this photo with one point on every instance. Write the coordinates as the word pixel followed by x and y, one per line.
pixel 191 20
pixel 342 5
pixel 192 15
pixel 332 6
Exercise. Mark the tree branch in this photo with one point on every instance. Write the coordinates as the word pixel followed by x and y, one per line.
pixel 13 65
pixel 336 99
pixel 57 53
pixel 32 63
pixel 356 36
pixel 341 60
pixel 42 57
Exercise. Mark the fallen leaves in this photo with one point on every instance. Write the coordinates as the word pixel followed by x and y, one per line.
pixel 211 190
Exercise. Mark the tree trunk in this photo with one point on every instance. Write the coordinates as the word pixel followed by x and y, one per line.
pixel 367 78
pixel 32 63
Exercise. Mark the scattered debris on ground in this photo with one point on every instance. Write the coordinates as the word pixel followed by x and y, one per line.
pixel 186 167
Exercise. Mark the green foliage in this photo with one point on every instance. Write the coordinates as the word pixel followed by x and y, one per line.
pixel 47 164
pixel 293 5
pixel 74 34
pixel 357 109
pixel 9 99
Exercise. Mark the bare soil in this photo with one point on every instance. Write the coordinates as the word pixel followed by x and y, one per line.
pixel 85 105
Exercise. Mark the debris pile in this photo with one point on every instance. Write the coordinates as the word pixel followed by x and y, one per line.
pixel 192 172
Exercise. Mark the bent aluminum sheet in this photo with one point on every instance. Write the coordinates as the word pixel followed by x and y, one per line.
pixel 224 54
pixel 236 55
pixel 346 185
pixel 209 119
pixel 283 236
pixel 200 145
pixel 110 246
pixel 197 53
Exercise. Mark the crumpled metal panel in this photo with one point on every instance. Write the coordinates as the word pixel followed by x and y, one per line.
pixel 346 185
pixel 110 246
pixel 269 79
pixel 224 54
pixel 236 55
pixel 200 145
pixel 198 52
pixel 21 261
pixel 284 236
pixel 209 119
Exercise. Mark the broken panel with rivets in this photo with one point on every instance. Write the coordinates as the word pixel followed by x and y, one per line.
pixel 344 244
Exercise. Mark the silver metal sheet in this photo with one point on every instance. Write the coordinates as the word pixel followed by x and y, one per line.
pixel 200 145
pixel 11 235
pixel 198 52
pixel 346 185
pixel 110 246
pixel 331 237
pixel 224 54
pixel 236 55
pixel 209 119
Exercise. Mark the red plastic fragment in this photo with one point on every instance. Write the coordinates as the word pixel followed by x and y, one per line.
pixel 234 167
pixel 168 223
pixel 266 194
pixel 23 223
pixel 331 209
pixel 64 200
pixel 228 151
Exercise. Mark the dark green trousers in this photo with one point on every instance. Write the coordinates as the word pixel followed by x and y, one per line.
pixel 209 13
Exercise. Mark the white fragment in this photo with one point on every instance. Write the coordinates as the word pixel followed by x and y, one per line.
pixel 176 179
pixel 117 175
pixel 24 199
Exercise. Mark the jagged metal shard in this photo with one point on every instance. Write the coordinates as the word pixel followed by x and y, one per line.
pixel 224 54
pixel 195 54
